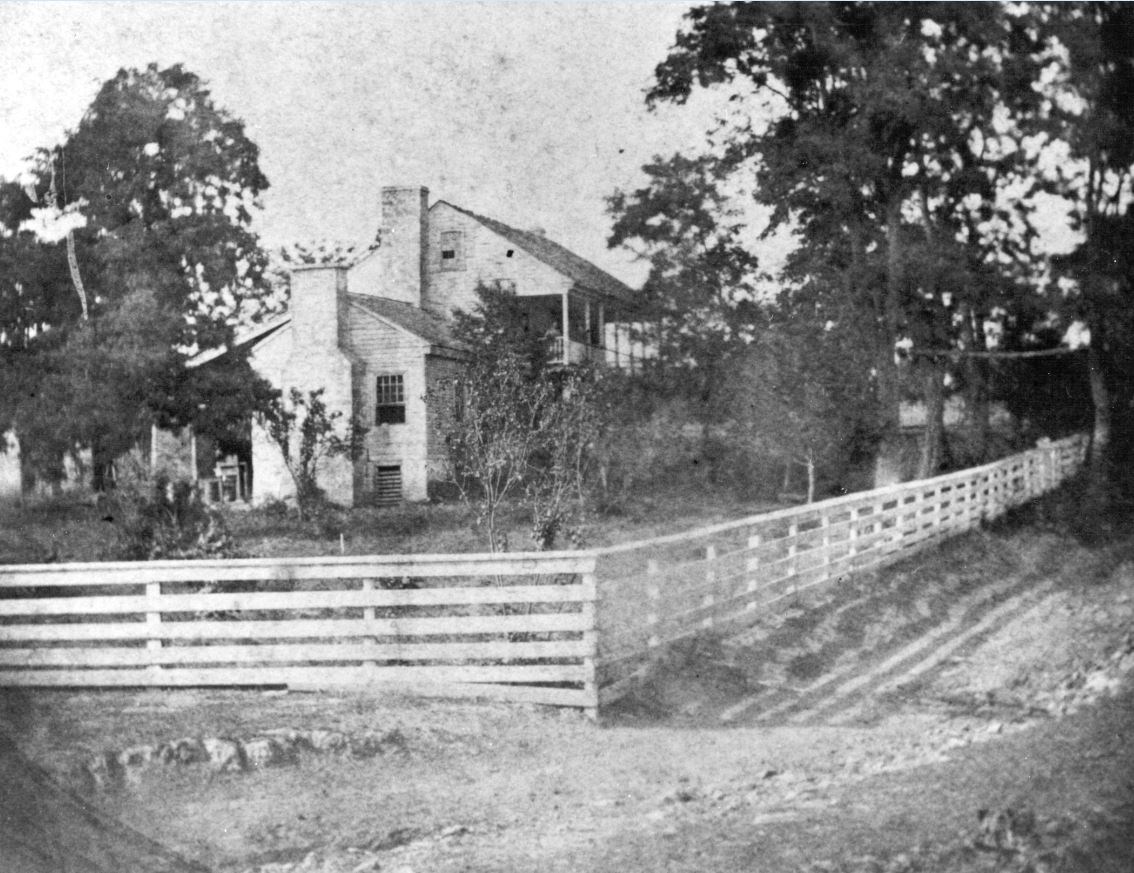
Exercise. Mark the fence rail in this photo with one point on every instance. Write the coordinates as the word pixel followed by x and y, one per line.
pixel 515 627
pixel 666 589
pixel 524 626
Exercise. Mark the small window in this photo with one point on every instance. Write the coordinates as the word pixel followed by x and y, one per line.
pixel 510 253
pixel 390 405
pixel 452 250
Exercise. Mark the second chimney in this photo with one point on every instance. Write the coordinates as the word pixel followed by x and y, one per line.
pixel 405 230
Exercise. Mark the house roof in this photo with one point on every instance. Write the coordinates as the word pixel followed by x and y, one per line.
pixel 242 340
pixel 417 321
pixel 551 253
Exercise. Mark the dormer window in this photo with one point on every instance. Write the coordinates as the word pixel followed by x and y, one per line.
pixel 452 250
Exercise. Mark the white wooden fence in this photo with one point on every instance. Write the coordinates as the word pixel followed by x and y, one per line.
pixel 669 588
pixel 516 627
pixel 519 626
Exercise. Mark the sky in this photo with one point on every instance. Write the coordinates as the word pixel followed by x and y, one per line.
pixel 529 112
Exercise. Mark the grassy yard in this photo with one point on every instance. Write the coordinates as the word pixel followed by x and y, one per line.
pixel 76 529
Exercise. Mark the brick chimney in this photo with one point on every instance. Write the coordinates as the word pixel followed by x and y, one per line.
pixel 318 300
pixel 404 233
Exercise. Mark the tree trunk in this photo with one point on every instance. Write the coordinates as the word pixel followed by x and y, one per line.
pixel 978 409
pixel 1100 398
pixel 888 461
pixel 933 440
pixel 101 476
pixel 810 479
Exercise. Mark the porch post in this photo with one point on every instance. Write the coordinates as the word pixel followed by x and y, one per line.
pixel 193 454
pixel 587 320
pixel 566 331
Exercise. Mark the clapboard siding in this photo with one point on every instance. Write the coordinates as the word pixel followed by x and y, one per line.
pixel 389 350
pixel 486 260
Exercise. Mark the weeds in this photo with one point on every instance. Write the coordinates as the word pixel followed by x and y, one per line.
pixel 158 518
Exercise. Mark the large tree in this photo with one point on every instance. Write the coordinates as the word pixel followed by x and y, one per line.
pixel 884 134
pixel 1090 98
pixel 130 245
pixel 801 397
pixel 698 307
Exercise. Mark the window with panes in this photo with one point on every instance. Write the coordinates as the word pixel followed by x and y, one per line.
pixel 390 405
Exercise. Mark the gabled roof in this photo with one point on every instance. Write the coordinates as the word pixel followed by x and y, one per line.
pixel 551 253
pixel 417 321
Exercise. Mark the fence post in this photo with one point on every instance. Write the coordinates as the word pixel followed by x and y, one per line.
pixel 710 577
pixel 368 615
pixel 751 565
pixel 653 615
pixel 153 619
pixel 792 551
pixel 590 642
pixel 825 523
pixel 913 533
pixel 852 538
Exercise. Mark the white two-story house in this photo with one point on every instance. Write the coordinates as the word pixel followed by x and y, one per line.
pixel 374 335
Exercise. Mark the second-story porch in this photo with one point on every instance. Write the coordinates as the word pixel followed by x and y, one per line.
pixel 580 329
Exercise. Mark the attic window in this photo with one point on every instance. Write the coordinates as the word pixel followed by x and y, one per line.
pixel 390 406
pixel 452 250
pixel 510 253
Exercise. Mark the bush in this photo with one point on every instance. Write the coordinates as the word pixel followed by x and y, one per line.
pixel 157 518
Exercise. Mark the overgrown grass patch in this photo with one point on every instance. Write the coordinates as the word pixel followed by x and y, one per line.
pixel 76 527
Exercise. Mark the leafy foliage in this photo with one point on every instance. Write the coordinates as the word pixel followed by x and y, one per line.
pixel 88 388
pixel 1092 110
pixel 498 328
pixel 157 185
pixel 698 300
pixel 284 260
pixel 525 429
pixel 500 430
pixel 886 137
pixel 797 396
pixel 307 434
pixel 161 518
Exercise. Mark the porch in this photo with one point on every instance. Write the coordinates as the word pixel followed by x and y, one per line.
pixel 581 329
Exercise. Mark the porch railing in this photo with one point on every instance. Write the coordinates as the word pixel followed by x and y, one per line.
pixel 578 353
